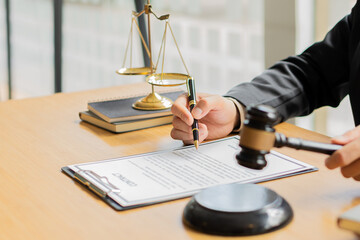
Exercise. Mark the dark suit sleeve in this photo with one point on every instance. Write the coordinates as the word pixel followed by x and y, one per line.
pixel 299 84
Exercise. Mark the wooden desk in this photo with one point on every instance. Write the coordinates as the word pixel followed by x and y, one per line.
pixel 38 136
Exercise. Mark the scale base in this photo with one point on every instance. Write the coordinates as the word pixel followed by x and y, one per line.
pixel 237 210
pixel 153 101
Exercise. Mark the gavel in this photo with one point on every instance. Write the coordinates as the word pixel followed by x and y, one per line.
pixel 258 136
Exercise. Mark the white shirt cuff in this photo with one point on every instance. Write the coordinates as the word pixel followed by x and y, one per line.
pixel 241 108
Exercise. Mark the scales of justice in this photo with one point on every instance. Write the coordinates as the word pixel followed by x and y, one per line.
pixel 153 101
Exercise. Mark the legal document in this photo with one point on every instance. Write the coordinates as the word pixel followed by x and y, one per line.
pixel 162 176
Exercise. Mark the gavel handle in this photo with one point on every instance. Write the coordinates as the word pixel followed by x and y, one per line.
pixel 282 141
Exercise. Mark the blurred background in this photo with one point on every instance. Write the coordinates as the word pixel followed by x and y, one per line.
pixel 223 42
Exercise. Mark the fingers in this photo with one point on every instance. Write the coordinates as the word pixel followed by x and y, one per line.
pixel 357 178
pixel 347 137
pixel 344 156
pixel 184 132
pixel 180 110
pixel 206 104
pixel 180 125
pixel 348 157
pixel 351 170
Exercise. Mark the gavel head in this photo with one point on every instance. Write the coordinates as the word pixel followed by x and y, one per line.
pixel 257 136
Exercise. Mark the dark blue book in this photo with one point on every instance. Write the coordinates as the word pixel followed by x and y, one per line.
pixel 121 109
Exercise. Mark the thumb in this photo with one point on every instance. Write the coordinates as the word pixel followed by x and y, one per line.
pixel 205 105
pixel 347 137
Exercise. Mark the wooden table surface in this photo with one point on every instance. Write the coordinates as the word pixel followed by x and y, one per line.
pixel 38 136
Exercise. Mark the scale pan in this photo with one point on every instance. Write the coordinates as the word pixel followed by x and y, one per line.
pixel 167 79
pixel 135 71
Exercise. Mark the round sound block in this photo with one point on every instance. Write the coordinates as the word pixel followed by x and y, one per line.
pixel 237 209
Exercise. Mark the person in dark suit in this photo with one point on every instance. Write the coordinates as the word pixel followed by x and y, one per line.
pixel 321 76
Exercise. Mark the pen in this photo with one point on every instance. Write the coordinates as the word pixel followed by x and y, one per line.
pixel 192 102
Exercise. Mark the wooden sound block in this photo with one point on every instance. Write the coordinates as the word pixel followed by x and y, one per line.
pixel 237 210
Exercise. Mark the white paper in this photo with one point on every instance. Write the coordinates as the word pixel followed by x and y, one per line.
pixel 161 176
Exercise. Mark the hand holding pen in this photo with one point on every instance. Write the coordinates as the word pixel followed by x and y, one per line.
pixel 217 117
pixel 192 102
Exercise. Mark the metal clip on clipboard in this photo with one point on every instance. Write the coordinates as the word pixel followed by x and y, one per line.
pixel 101 180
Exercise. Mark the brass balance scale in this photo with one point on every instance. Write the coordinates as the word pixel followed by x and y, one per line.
pixel 153 101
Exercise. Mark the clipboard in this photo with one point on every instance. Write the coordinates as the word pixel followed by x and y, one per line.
pixel 97 191
pixel 106 190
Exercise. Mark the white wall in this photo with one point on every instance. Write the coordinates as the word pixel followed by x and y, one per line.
pixel 32 48
pixel 221 41
pixel 3 58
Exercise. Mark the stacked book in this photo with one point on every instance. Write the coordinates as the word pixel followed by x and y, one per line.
pixel 119 115
pixel 350 220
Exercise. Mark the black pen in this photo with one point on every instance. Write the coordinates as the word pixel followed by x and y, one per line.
pixel 192 102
